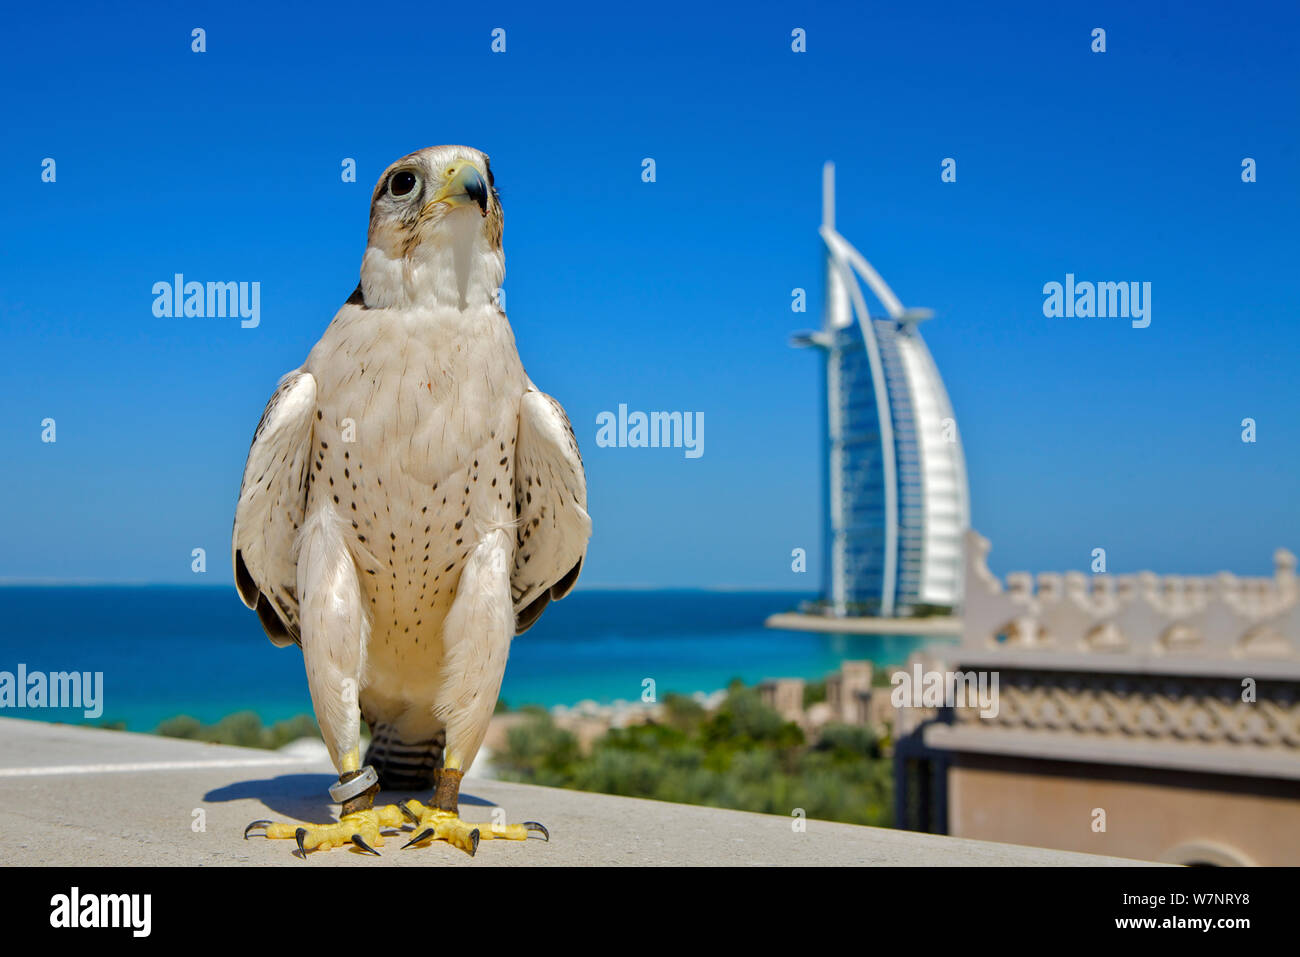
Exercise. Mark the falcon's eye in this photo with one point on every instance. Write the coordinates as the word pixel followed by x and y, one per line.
pixel 402 183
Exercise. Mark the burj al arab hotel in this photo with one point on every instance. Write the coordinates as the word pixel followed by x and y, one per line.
pixel 895 493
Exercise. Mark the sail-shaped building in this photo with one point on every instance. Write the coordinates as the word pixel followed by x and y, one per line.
pixel 895 493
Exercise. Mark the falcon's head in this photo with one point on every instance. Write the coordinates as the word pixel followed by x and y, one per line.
pixel 435 232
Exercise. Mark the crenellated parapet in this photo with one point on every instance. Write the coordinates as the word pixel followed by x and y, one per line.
pixel 1177 619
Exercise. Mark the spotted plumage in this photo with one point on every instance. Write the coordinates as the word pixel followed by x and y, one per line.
pixel 411 501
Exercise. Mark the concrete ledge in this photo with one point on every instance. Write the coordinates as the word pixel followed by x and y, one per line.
pixel 80 796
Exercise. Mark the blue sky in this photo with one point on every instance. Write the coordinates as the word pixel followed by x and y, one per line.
pixel 672 295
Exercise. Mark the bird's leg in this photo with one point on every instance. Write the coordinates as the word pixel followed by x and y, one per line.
pixel 359 824
pixel 363 799
pixel 334 630
pixel 477 633
pixel 441 821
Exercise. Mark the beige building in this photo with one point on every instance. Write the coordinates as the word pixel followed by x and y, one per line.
pixel 850 699
pixel 1140 716
pixel 784 696
pixel 848 693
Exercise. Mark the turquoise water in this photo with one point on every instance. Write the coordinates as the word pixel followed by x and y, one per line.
pixel 168 650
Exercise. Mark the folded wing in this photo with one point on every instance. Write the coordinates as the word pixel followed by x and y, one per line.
pixel 272 506
pixel 552 526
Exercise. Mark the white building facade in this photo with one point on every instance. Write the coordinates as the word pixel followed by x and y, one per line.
pixel 896 500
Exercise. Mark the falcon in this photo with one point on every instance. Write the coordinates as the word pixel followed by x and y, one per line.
pixel 411 502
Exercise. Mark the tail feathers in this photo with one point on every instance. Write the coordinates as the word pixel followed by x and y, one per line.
pixel 404 765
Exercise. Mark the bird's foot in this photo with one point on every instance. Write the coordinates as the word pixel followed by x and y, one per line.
pixel 361 829
pixel 436 824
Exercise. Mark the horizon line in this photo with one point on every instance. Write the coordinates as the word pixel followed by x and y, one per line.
pixel 642 586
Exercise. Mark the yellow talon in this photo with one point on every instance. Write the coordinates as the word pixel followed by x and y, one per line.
pixel 434 824
pixel 364 829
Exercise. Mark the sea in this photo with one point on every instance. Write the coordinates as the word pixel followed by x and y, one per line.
pixel 166 650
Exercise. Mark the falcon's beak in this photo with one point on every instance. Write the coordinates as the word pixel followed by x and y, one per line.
pixel 465 186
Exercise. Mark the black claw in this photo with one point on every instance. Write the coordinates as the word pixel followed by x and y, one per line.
pixel 411 815
pixel 299 835
pixel 356 839
pixel 534 826
pixel 422 836
pixel 473 840
pixel 255 824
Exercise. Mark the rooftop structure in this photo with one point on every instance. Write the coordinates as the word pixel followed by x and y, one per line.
pixel 1145 716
